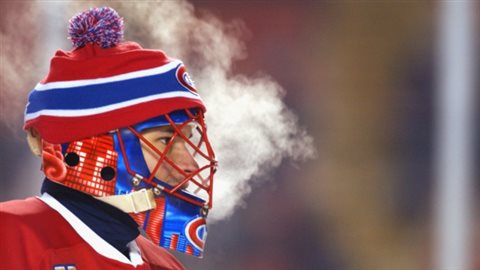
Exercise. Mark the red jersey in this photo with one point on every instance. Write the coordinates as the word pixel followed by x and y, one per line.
pixel 40 233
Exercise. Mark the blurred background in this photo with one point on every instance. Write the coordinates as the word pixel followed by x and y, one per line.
pixel 359 75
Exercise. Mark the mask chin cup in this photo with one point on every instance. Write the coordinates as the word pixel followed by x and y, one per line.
pixel 175 224
pixel 185 227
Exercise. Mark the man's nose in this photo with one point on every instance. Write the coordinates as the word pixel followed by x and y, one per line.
pixel 185 160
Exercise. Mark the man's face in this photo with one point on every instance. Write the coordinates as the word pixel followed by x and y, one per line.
pixel 178 152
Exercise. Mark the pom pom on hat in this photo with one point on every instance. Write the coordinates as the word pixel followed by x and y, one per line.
pixel 102 26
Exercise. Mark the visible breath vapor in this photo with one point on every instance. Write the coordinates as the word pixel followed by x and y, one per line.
pixel 250 127
pixel 17 61
pixel 29 37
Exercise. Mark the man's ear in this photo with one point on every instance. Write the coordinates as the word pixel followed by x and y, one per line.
pixel 34 141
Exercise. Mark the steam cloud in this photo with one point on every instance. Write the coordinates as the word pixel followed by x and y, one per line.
pixel 29 35
pixel 17 63
pixel 250 127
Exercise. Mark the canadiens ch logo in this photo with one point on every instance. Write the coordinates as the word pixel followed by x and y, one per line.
pixel 196 232
pixel 64 267
pixel 185 80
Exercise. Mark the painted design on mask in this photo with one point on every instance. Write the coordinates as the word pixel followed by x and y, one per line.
pixel 91 166
pixel 176 225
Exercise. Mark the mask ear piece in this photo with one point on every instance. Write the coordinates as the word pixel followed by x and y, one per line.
pixel 34 142
pixel 52 162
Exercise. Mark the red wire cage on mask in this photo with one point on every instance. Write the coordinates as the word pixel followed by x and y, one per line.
pixel 200 149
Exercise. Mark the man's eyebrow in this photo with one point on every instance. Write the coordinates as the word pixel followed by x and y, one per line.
pixel 168 129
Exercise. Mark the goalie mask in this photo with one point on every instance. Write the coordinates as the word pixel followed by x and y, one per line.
pixel 126 125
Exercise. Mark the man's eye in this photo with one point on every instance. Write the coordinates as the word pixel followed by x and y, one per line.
pixel 165 140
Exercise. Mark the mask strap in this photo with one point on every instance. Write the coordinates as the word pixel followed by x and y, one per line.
pixel 134 202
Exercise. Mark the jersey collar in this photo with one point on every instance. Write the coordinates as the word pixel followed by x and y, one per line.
pixel 96 242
